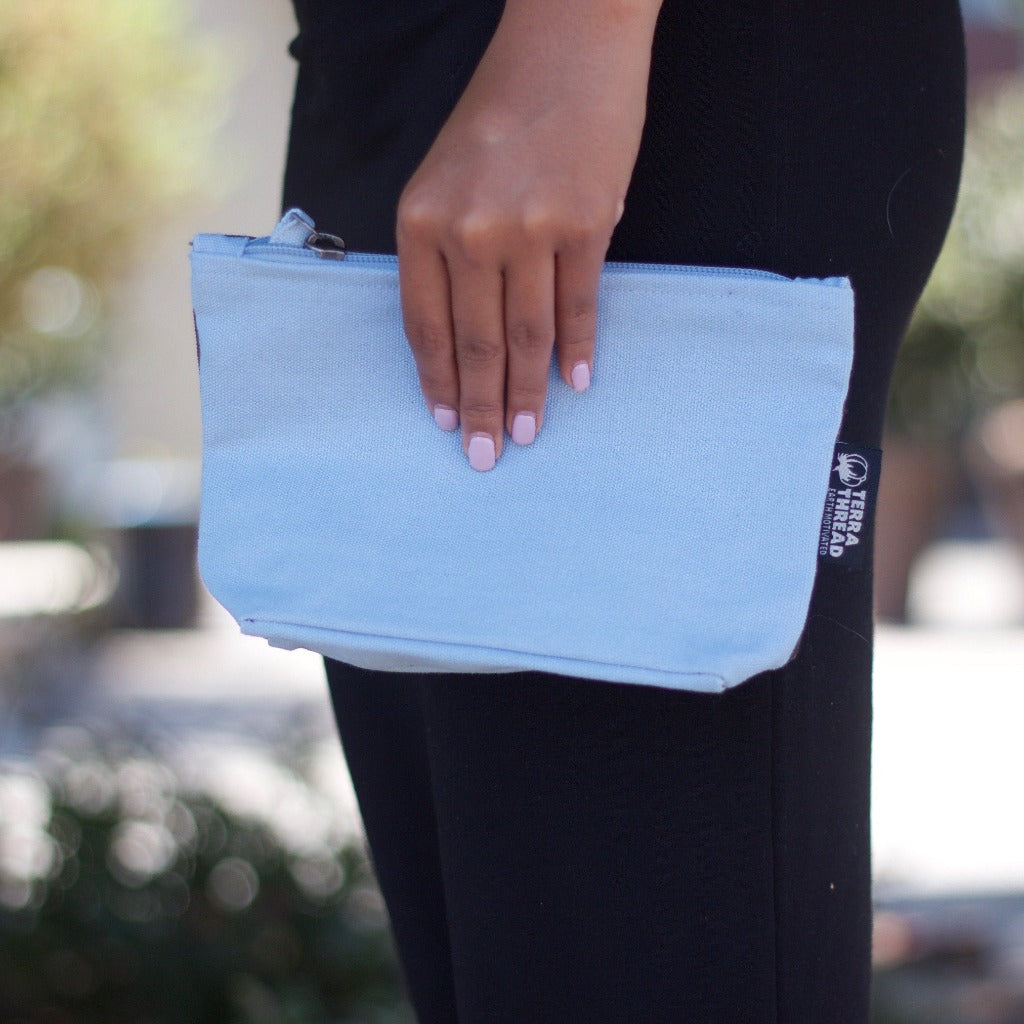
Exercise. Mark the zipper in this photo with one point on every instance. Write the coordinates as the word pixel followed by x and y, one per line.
pixel 321 246
pixel 329 246
pixel 315 248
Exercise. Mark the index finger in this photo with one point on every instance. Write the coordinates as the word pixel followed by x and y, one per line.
pixel 426 315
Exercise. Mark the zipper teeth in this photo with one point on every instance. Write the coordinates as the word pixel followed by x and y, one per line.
pixel 678 268
pixel 260 249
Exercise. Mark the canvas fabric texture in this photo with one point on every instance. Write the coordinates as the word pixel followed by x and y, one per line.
pixel 662 529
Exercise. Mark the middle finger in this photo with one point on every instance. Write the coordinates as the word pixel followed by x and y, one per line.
pixel 478 322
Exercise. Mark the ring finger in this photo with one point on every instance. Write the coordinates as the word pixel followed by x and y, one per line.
pixel 530 337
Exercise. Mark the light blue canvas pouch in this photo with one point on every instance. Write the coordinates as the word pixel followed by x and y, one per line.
pixel 662 529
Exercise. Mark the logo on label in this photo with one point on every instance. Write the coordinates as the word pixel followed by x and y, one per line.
pixel 849 506
pixel 852 468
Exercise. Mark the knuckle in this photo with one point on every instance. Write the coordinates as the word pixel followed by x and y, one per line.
pixel 475 351
pixel 416 215
pixel 577 320
pixel 480 410
pixel 474 236
pixel 539 223
pixel 578 234
pixel 528 338
pixel 429 340
pixel 526 396
pixel 587 226
pixel 437 385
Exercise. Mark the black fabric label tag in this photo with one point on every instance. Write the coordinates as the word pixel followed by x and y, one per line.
pixel 848 522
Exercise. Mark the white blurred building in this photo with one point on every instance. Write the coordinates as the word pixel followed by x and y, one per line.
pixel 151 403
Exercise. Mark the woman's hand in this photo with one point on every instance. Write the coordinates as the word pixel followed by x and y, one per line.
pixel 503 229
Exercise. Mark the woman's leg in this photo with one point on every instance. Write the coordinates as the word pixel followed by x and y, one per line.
pixel 606 850
pixel 556 849
pixel 383 735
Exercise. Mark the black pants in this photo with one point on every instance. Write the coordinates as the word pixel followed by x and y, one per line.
pixel 553 850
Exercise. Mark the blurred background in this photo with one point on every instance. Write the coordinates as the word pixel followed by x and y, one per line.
pixel 179 841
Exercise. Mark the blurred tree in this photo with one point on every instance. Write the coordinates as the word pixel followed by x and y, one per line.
pixel 105 110
pixel 130 894
pixel 964 352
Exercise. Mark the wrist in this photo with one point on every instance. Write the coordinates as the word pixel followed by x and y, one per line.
pixel 573 46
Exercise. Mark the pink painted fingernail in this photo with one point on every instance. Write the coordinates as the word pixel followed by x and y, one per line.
pixel 481 452
pixel 446 417
pixel 580 377
pixel 524 428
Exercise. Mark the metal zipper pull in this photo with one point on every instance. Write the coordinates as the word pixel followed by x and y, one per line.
pixel 330 246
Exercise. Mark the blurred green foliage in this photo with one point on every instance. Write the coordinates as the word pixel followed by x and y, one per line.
pixel 105 113
pixel 964 351
pixel 129 892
